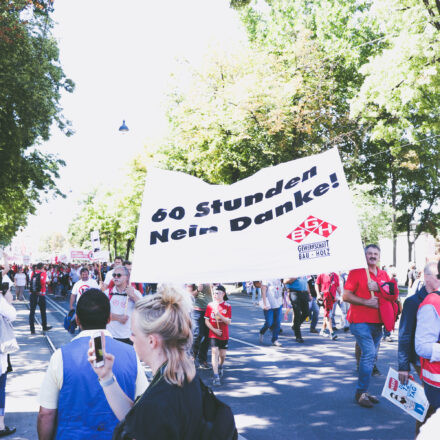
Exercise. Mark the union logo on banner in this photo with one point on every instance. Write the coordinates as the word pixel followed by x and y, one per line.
pixel 311 225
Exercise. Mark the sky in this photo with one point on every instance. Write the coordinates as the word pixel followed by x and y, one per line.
pixel 120 54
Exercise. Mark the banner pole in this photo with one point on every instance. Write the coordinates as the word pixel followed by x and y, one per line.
pixel 369 280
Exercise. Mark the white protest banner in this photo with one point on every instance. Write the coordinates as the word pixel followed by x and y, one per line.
pixel 411 397
pixel 292 219
pixel 79 254
pixel 101 256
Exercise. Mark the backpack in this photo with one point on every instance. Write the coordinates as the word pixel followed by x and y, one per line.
pixel 219 423
pixel 70 322
pixel 333 288
pixel 35 286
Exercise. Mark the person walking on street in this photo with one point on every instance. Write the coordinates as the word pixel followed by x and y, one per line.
pixel 218 318
pixel 122 300
pixel 299 296
pixel 328 288
pixel 362 290
pixel 313 304
pixel 20 284
pixel 72 402
pixel 427 346
pixel 38 297
pixel 8 312
pixel 406 353
pixel 85 283
pixel 272 304
pixel 202 297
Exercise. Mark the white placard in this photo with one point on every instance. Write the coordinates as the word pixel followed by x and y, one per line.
pixel 411 397
pixel 292 219
pixel 96 242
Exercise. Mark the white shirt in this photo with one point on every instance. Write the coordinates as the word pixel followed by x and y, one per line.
pixel 108 277
pixel 8 311
pixel 121 305
pixel 53 379
pixel 81 286
pixel 274 292
pixel 20 279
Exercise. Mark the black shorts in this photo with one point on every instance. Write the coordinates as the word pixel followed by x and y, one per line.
pixel 220 343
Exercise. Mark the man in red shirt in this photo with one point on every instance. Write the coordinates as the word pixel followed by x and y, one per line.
pixel 365 320
pixel 328 287
pixel 38 296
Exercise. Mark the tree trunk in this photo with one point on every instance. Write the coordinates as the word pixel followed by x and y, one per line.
pixel 129 244
pixel 410 243
pixel 393 204
pixel 115 245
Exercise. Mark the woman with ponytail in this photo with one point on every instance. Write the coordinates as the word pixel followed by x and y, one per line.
pixel 171 407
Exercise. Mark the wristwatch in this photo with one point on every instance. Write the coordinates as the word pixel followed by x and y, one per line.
pixel 107 382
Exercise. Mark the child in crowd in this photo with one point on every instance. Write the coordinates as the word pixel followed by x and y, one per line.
pixel 217 319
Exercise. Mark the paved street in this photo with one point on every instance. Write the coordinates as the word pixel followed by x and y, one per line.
pixel 293 392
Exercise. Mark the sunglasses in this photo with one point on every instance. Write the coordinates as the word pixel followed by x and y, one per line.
pixel 117 275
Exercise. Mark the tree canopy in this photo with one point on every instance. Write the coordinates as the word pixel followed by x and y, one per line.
pixel 31 81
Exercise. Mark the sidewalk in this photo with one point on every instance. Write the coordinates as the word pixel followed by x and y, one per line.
pixel 23 384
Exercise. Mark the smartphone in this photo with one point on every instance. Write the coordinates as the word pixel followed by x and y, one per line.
pixel 99 353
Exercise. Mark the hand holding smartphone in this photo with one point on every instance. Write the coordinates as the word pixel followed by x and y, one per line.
pixel 99 345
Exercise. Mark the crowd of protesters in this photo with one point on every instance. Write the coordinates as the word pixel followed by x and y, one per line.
pixel 369 306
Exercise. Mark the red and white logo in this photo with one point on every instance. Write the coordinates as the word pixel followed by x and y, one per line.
pixel 311 224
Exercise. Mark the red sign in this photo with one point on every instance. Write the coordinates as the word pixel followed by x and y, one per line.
pixel 311 224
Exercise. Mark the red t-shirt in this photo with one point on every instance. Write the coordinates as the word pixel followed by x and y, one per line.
pixel 224 309
pixel 357 283
pixel 324 281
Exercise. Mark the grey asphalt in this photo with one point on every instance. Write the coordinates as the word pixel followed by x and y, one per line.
pixel 297 391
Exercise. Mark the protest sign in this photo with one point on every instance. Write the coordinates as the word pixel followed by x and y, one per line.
pixel 292 219
pixel 79 254
pixel 101 256
pixel 96 242
pixel 410 397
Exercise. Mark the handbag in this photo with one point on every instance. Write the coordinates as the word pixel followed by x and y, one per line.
pixel 219 423
pixel 8 343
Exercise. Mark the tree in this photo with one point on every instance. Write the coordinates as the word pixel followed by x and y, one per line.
pixel 53 243
pixel 114 212
pixel 31 80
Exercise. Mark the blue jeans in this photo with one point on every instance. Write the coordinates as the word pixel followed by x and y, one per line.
pixel 432 394
pixel 256 290
pixel 273 319
pixel 2 393
pixel 368 337
pixel 200 336
pixel 314 313
pixel 344 309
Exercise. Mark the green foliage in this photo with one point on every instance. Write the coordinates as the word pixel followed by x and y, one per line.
pixel 54 242
pixel 114 212
pixel 31 80
pixel 374 217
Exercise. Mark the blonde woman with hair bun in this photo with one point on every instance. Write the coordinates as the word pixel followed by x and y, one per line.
pixel 171 406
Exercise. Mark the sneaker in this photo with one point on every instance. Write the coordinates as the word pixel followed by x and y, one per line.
pixel 323 333
pixel 204 365
pixel 346 329
pixel 373 399
pixel 363 400
pixel 261 338
pixel 388 339
pixel 7 431
pixel 376 372
pixel 220 370
pixel 276 343
pixel 313 330
pixel 335 329
pixel 216 380
pixel 32 332
pixel 46 329
pixel 333 336
pixel 300 340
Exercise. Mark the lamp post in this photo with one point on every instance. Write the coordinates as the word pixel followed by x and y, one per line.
pixel 123 128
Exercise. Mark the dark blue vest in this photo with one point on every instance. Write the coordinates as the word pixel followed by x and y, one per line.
pixel 83 411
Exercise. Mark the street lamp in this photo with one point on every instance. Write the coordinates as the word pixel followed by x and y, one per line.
pixel 123 128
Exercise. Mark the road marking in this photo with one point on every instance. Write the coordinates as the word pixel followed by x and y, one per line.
pixel 248 343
